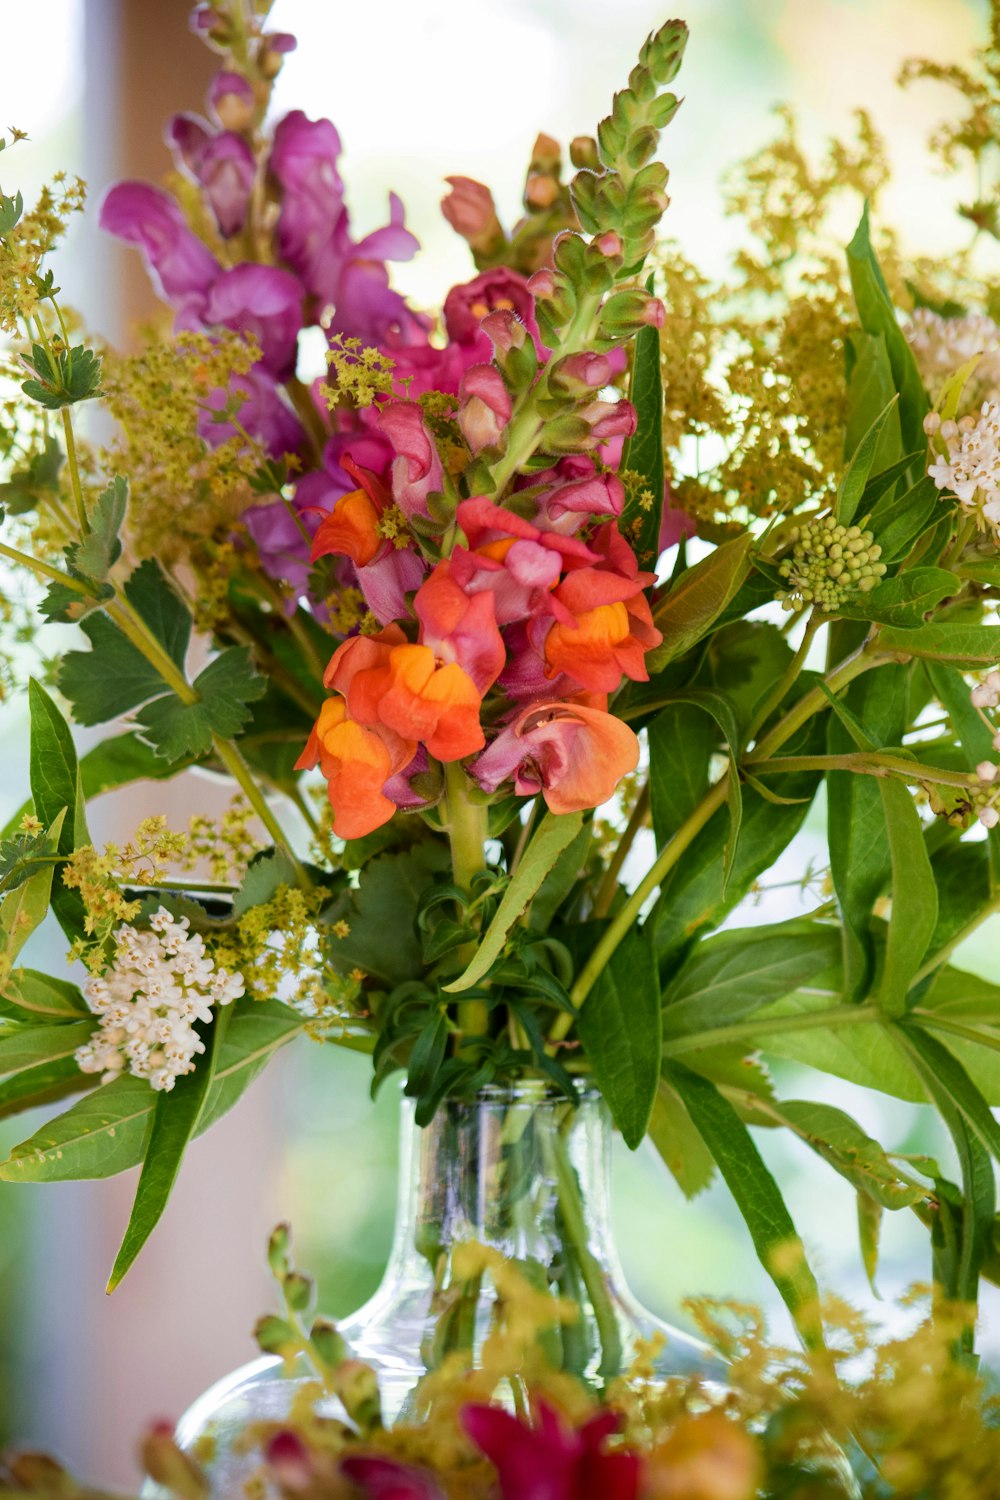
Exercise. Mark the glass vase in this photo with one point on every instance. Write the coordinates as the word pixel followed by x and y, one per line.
pixel 520 1170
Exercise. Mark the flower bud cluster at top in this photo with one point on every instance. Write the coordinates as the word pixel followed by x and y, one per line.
pixel 455 510
pixel 828 563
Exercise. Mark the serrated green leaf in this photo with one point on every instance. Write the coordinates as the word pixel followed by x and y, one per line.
pixel 620 1027
pixel 553 835
pixel 263 877
pixel 100 549
pixel 758 1197
pixel 27 487
pixel 226 688
pixel 390 891
pixel 65 376
pixel 55 786
pixel 174 1124
pixel 105 1132
pixel 162 608
pixel 110 679
pixel 643 453
pixel 687 613
pixel 852 485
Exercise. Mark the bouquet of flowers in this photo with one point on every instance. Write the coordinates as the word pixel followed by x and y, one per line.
pixel 568 601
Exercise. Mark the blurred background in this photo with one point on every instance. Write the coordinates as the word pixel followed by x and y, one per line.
pixel 418 92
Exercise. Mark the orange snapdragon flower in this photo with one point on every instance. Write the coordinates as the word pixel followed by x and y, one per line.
pixel 388 682
pixel 357 761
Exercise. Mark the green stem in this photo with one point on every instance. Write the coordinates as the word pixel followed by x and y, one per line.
pixel 609 884
pixel 787 679
pixel 43 569
pixel 936 1022
pixel 74 471
pixel 467 831
pixel 864 763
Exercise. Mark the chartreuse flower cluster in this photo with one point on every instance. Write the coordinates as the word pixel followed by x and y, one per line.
pixel 828 563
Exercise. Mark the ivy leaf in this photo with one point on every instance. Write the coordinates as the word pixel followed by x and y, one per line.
pixel 554 834
pixel 175 1121
pixel 620 1026
pixel 643 453
pixel 226 688
pixel 758 1197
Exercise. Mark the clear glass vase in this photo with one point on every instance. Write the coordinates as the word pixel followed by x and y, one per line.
pixel 520 1170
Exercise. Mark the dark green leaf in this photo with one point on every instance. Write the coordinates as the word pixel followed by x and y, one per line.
pixel 855 478
pixel 100 549
pixel 717 706
pixel 162 609
pixel 111 679
pixel 904 600
pixel 55 786
pixel 179 731
pixel 65 376
pixel 687 613
pixel 390 891
pixel 681 742
pixel 263 878
pixel 621 1030
pixel 554 834
pixel 775 1239
pixel 914 896
pixel 896 524
pixel 175 1122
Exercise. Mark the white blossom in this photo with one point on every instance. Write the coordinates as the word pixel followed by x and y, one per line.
pixel 942 345
pixel 159 984
pixel 986 694
pixel 971 468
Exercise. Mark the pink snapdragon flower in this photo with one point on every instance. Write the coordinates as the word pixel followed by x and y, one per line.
pixel 460 626
pixel 484 407
pixel 221 162
pixel 573 753
pixel 551 1461
pixel 416 469
pixel 182 268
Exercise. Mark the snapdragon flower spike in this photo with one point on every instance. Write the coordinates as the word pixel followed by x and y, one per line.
pixel 387 568
pixel 519 563
pixel 575 754
pixel 389 683
pixel 220 161
pixel 357 761
pixel 460 626
pixel 182 268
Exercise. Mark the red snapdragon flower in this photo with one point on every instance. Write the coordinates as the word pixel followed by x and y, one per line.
pixel 552 1461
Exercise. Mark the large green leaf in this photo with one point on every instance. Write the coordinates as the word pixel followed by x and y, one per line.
pixel 968 646
pixel 226 688
pixel 860 858
pixel 697 599
pixel 37 1064
pixel 620 1027
pixel 757 1195
pixel 23 910
pixel 941 1073
pixel 55 787
pixel 643 454
pixel 673 1133
pixel 718 708
pixel 905 600
pixel 106 1131
pixel 175 1120
pixel 870 389
pixel 29 994
pixel 110 679
pixel 878 318
pixel 853 1153
pixel 729 976
pixel 388 897
pixel 852 485
pixel 681 742
pixel 554 834
pixel 914 897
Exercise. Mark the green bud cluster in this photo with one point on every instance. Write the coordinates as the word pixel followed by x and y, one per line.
pixel 828 563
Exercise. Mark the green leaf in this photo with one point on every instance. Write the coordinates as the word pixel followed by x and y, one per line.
pixel 941 1074
pixel 105 1132
pixel 55 786
pixel 24 909
pixel 986 570
pixel 904 600
pixel 758 1197
pixel 870 1213
pixel 860 1051
pixel 35 483
pixel 621 1031
pixel 729 976
pixel 175 1121
pixel 65 376
pixel 878 318
pixel 681 744
pixel 673 1133
pixel 963 646
pixel 226 687
pixel 860 856
pixel 387 899
pixel 264 876
pixel 28 992
pixel 554 834
pixel 914 896
pixel 100 549
pixel 110 679
pixel 717 706
pixel 952 691
pixel 697 599
pixel 37 1064
pixel 644 451
pixel 839 1140
pixel 870 388
pixel 560 880
pixel 896 524
pixel 852 485
pixel 162 609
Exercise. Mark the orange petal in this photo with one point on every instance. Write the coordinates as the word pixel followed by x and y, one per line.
pixel 350 530
pixel 611 752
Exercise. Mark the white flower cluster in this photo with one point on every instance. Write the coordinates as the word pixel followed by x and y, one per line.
pixel 972 467
pixel 942 345
pixel 986 694
pixel 160 983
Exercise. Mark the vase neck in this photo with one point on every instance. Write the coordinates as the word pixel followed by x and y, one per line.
pixel 505 1170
